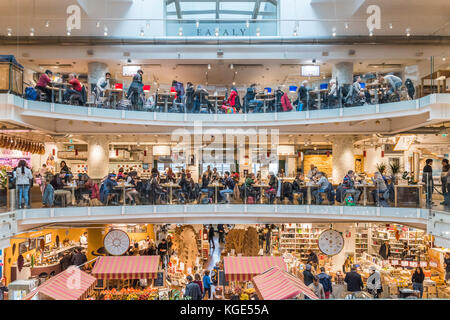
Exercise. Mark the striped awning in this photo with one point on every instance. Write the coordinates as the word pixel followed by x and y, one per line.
pixel 126 267
pixel 277 284
pixel 71 284
pixel 245 268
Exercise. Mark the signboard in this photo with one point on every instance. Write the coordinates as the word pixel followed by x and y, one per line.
pixel 405 263
pixel 433 264
pixel 310 71
pixel 423 264
pixel 160 280
pixel 413 264
pixel 130 71
pixel 395 262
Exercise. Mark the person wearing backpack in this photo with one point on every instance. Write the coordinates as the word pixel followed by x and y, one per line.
pixel 325 280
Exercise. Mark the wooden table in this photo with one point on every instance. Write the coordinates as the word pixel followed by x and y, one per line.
pixel 216 188
pixel 170 186
pixel 165 97
pixel 72 188
pixel 261 187
pixel 123 187
pixel 113 93
pixel 419 189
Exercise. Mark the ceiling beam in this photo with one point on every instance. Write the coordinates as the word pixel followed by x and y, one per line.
pixel 177 7
pixel 256 9
pixel 217 9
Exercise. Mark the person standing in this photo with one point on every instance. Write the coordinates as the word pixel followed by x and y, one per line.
pixel 84 240
pixel 317 288
pixel 447 266
pixel 78 258
pixel 312 258
pixel 211 236
pixel 192 289
pixel 353 280
pixel 102 85
pixel 221 230
pixel 325 281
pixel 199 282
pixel 374 283
pixel 207 284
pixel 3 289
pixel 23 178
pixel 162 251
pixel 427 179
pixel 308 277
pixel 385 250
pixel 444 180
pixel 417 280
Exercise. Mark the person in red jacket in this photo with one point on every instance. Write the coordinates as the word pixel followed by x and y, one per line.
pixel 230 105
pixel 76 87
pixel 44 81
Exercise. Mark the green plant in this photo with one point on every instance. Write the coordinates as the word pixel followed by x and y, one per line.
pixel 381 167
pixel 3 178
pixel 406 176
pixel 395 168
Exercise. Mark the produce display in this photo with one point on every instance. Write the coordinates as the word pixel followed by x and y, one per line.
pixel 130 294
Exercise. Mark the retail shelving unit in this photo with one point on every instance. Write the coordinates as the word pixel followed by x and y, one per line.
pixel 298 239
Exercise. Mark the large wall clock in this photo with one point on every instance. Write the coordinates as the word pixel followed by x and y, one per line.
pixel 331 242
pixel 116 242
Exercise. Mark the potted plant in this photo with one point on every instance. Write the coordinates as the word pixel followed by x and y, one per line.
pixel 406 176
pixel 395 170
pixel 381 167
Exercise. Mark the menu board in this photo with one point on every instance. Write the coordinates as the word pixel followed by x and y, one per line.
pixel 222 279
pixel 160 279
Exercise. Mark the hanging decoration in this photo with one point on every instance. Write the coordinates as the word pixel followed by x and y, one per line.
pixel 14 143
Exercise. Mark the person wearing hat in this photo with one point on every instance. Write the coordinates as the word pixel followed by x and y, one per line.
pixel 192 289
pixel 43 82
pixel 353 280
pixel 317 288
pixel 374 282
pixel 308 276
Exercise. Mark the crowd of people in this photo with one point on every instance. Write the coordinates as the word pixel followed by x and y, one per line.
pixel 195 99
pixel 127 187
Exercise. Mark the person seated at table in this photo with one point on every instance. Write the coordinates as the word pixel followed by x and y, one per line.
pixel 179 89
pixel 323 187
pixel 120 174
pixel 231 105
pixel 348 186
pixel 208 171
pixel 380 194
pixel 201 98
pixel 183 192
pixel 354 96
pixel 229 184
pixel 77 88
pixel 43 82
pixel 298 188
pixel 332 94
pixel 190 92
pixel 136 88
pixel 393 83
pixel 250 190
pixel 215 175
pixel 170 175
pixel 156 190
pixel 102 85
pixel 107 188
pixel 312 172
pixel 131 193
pixel 250 97
pixel 271 192
pixel 204 188
pixel 48 194
pixel 58 186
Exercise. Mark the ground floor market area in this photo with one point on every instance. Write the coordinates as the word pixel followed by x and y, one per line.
pixel 225 262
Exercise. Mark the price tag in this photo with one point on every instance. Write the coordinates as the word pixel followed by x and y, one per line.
pixel 433 264
pixel 404 263
pixel 394 262
pixel 423 264
pixel 413 264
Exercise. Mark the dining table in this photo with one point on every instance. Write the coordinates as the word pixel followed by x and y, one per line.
pixel 170 185
pixel 216 187
pixel 123 187
pixel 72 187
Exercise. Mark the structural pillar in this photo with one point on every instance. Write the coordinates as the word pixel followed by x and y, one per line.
pixel 96 70
pixel 95 241
pixel 343 157
pixel 343 72
pixel 98 157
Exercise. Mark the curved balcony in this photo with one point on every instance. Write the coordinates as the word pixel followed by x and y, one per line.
pixel 437 106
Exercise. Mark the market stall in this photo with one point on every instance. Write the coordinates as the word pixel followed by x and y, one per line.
pixel 126 267
pixel 277 284
pixel 245 268
pixel 72 284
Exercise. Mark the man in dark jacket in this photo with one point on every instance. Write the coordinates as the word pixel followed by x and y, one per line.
pixel 312 258
pixel 308 277
pixel 162 251
pixel 211 233
pixel 221 230
pixel 78 258
pixel 192 290
pixel 66 260
pixel 325 280
pixel 385 250
pixel 354 281
pixel 427 179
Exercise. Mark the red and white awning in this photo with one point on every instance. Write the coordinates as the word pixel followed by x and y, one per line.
pixel 277 284
pixel 71 284
pixel 245 268
pixel 126 267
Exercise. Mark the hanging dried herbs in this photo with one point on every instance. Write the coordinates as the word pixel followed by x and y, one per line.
pixel 20 263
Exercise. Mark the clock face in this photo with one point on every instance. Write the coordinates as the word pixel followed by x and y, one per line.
pixel 331 242
pixel 116 242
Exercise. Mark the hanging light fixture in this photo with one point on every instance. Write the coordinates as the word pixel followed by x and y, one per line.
pixel 346 25
pixel 105 33
pixel 390 26
pixel 97 24
pixel 141 33
pixel 333 31
pixel 247 24
pixel 9 32
pixel 209 66
pixel 197 23
pixel 47 24
pixel 68 31
pixel 217 32
pixel 258 32
pixel 444 58
pixel 148 25
pixel 371 32
pixel 180 31
pixel 231 66
pixel 31 32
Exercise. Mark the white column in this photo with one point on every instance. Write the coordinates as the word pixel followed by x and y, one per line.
pixel 343 72
pixel 98 157
pixel 343 157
